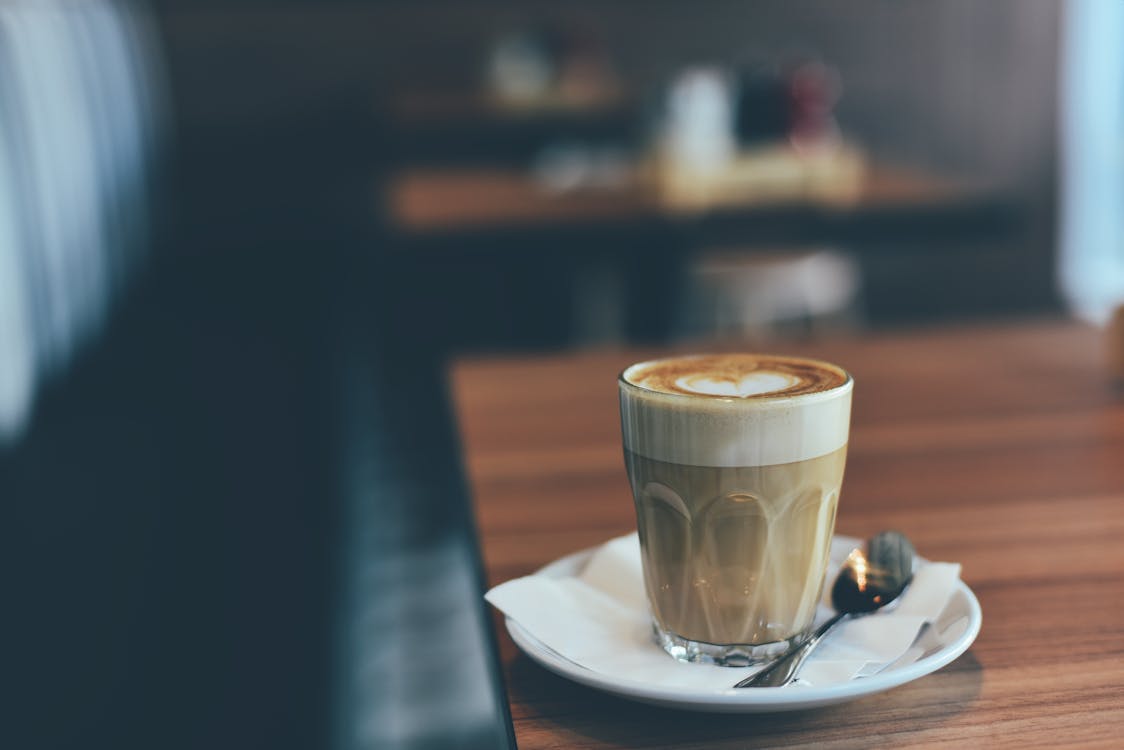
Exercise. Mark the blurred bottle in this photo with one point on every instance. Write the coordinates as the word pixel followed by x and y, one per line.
pixel 521 67
pixel 698 130
pixel 813 89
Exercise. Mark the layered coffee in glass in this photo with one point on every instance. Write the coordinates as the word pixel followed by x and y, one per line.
pixel 736 464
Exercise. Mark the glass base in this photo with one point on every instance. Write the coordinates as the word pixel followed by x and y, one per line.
pixel 724 655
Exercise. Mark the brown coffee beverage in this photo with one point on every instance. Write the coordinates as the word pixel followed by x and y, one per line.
pixel 736 463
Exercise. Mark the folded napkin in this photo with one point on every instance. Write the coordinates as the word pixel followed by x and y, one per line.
pixel 599 619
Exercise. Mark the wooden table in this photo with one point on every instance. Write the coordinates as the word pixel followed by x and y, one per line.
pixel 1001 448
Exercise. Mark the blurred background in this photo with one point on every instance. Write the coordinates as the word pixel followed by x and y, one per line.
pixel 239 241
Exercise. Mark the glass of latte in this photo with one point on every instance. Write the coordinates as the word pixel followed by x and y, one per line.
pixel 735 462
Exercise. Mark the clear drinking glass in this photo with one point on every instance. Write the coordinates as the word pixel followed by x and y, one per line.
pixel 736 488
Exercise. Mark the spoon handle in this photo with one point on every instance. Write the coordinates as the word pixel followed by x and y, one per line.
pixel 783 670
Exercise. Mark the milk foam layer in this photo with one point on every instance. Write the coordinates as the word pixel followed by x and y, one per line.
pixel 734 410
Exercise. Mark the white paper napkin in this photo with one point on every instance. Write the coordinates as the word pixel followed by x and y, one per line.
pixel 599 619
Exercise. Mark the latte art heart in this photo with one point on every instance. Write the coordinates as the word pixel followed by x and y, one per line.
pixel 754 384
pixel 736 376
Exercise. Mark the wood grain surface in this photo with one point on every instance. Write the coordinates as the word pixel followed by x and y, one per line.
pixel 1001 448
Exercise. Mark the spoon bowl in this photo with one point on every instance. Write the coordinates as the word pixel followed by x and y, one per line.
pixel 872 577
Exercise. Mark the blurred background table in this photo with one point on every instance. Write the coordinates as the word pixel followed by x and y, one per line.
pixel 527 263
pixel 430 201
pixel 998 447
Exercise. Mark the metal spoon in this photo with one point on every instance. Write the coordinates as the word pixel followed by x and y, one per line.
pixel 868 580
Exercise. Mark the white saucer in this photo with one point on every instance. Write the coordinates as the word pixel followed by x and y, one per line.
pixel 960 625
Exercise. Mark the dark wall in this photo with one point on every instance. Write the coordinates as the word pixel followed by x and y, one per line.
pixel 957 87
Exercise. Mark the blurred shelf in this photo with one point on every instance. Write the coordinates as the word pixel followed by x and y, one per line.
pixel 478 128
pixel 458 108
